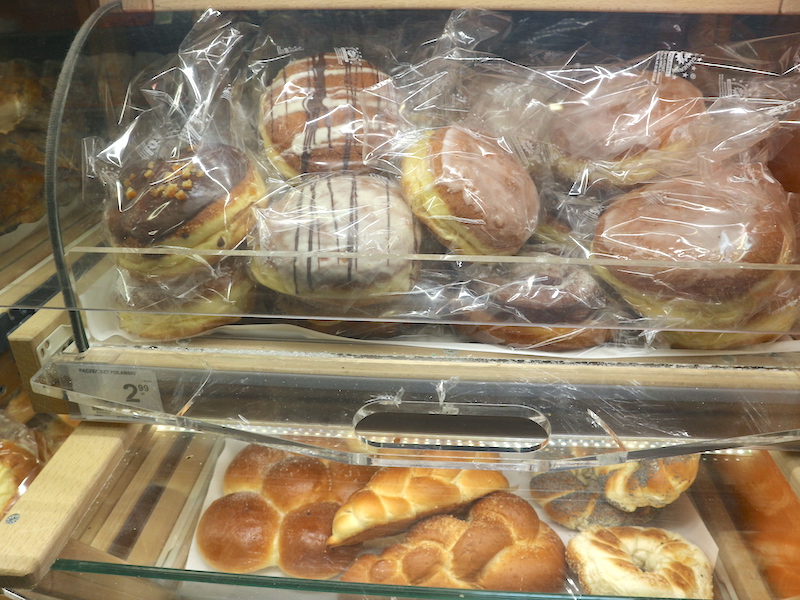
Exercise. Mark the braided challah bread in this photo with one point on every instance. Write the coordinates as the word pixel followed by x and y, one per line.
pixel 625 494
pixel 278 510
pixel 397 497
pixel 502 545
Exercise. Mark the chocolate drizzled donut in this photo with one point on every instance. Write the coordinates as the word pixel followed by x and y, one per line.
pixel 361 216
pixel 313 114
pixel 161 198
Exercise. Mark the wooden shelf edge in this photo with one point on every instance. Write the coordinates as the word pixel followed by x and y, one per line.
pixel 39 525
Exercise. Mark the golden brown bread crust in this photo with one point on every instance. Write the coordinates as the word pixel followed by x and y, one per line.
pixel 474 195
pixel 397 497
pixel 502 545
pixel 302 548
pixel 159 315
pixel 313 114
pixel 278 510
pixel 16 465
pixel 624 494
pixel 236 533
pixel 655 483
pixel 766 509
pixel 639 562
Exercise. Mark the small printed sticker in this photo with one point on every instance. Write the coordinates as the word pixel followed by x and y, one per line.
pixel 677 63
pixel 345 54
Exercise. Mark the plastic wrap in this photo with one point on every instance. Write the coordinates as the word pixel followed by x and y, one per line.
pixel 427 519
pixel 479 157
pixel 182 187
pixel 18 461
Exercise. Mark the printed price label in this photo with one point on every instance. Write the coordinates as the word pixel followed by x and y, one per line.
pixel 130 388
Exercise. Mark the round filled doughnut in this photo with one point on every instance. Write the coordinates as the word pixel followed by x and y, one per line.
pixel 201 200
pixel 534 304
pixel 709 227
pixel 472 193
pixel 641 562
pixel 314 114
pixel 625 127
pixel 157 311
pixel 361 217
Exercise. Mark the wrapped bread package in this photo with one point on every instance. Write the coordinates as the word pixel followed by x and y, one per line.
pixel 446 177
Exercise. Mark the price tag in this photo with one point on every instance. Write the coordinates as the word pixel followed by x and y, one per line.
pixel 129 387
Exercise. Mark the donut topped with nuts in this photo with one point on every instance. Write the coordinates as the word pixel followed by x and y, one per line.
pixel 180 201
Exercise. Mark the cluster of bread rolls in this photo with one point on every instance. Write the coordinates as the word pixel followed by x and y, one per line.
pixel 311 518
pixel 450 528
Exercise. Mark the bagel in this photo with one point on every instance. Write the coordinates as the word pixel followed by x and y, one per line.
pixel 639 562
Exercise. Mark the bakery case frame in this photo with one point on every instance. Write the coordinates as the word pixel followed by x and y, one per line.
pixel 365 403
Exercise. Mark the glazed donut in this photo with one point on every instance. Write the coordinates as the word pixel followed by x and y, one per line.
pixel 159 310
pixel 363 215
pixel 502 545
pixel 626 494
pixel 314 115
pixel 639 562
pixel 472 194
pixel 730 217
pixel 201 201
pixel 533 304
pixel 626 127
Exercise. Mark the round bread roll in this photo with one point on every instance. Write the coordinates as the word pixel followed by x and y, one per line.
pixel 624 494
pixel 626 127
pixel 236 533
pixel 533 304
pixel 156 311
pixel 314 114
pixel 472 193
pixel 201 201
pixel 278 511
pixel 641 562
pixel 502 546
pixel 16 465
pixel 711 228
pixel 363 216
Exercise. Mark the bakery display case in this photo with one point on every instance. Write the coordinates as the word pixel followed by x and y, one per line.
pixel 486 265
